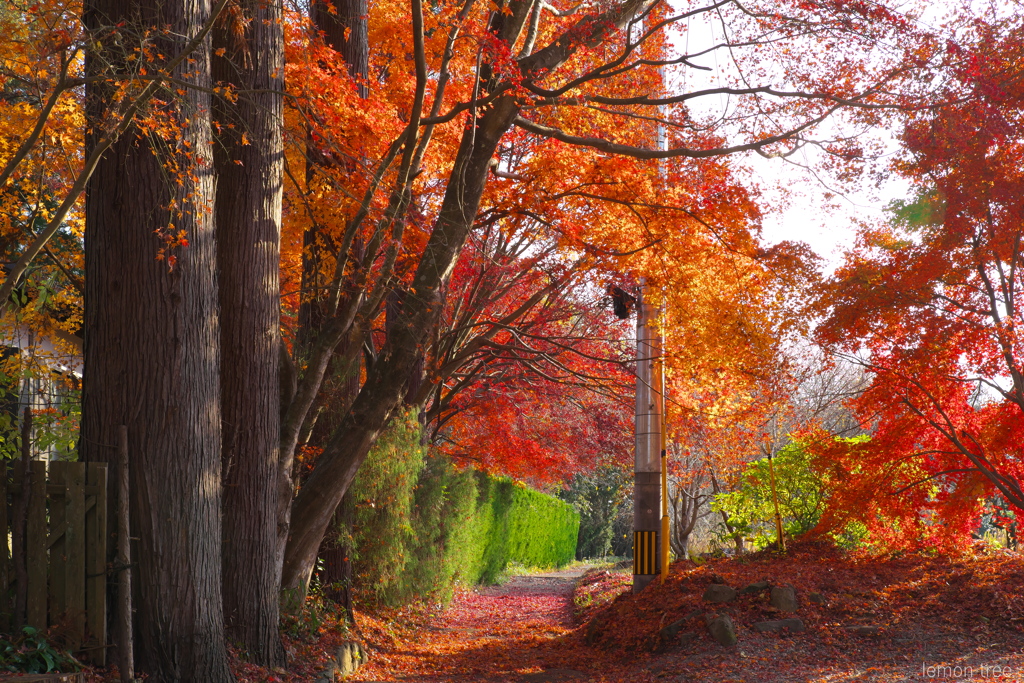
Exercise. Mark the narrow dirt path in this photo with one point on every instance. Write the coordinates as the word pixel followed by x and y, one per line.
pixel 510 632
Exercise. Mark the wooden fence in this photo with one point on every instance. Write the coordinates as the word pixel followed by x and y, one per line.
pixel 65 552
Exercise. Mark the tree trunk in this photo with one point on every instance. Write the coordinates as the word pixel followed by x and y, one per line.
pixel 248 214
pixel 345 27
pixel 336 555
pixel 152 343
pixel 386 383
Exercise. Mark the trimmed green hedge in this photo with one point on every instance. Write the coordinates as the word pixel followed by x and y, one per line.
pixel 421 525
pixel 513 523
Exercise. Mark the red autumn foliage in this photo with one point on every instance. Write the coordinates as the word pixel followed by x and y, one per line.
pixel 931 305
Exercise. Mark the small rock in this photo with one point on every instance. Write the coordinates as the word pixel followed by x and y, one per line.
pixel 717 592
pixel 672 630
pixel 687 638
pixel 329 674
pixel 349 657
pixel 716 578
pixel 864 630
pixel 784 598
pixel 756 587
pixel 722 630
pixel 794 626
pixel 594 629
pixel 816 598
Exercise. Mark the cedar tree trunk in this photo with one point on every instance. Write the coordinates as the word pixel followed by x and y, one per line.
pixel 248 214
pixel 152 358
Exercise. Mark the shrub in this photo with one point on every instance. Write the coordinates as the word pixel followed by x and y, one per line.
pixel 802 493
pixel 445 499
pixel 514 523
pixel 420 524
pixel 30 653
pixel 382 495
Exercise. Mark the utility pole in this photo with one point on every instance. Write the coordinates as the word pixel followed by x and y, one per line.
pixel 664 468
pixel 650 479
pixel 647 502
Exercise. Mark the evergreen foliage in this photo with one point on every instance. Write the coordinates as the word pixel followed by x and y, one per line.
pixel 597 497
pixel 383 494
pixel 421 524
pixel 514 523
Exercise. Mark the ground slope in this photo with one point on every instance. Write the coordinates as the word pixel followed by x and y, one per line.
pixel 899 619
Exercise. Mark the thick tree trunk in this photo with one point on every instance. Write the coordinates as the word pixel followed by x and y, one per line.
pixel 336 557
pixel 152 345
pixel 248 214
pixel 386 384
pixel 345 28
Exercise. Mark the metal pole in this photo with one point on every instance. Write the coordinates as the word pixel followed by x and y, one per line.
pixel 647 465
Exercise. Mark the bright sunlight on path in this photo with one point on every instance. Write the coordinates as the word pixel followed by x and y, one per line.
pixel 511 632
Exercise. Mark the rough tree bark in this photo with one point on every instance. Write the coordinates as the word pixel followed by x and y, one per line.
pixel 248 215
pixel 152 342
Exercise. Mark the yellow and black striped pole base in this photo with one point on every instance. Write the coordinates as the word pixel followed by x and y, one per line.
pixel 645 553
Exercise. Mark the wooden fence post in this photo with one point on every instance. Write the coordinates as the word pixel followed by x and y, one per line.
pixel 19 534
pixel 96 562
pixel 126 655
pixel 74 548
pixel 56 542
pixel 35 551
pixel 6 604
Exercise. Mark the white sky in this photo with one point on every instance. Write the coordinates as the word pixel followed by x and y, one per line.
pixel 801 208
pixel 798 205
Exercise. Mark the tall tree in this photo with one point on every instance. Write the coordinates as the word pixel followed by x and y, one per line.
pixel 249 161
pixel 930 304
pixel 595 65
pixel 152 341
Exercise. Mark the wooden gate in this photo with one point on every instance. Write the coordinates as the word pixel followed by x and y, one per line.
pixel 65 552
